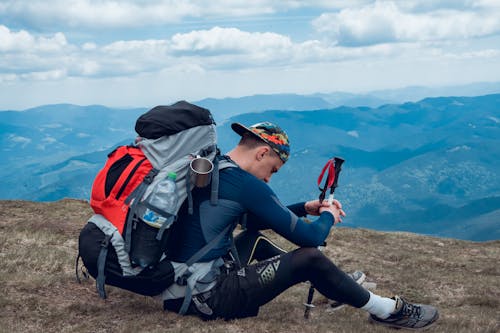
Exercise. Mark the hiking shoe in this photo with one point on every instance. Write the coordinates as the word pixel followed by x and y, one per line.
pixel 409 316
pixel 357 276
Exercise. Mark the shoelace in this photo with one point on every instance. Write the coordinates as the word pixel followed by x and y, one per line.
pixel 411 310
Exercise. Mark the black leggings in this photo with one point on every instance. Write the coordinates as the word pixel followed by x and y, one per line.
pixel 307 264
pixel 303 264
pixel 240 293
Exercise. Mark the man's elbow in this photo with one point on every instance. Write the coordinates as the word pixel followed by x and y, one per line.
pixel 314 241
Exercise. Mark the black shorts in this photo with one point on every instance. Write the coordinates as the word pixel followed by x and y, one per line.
pixel 238 293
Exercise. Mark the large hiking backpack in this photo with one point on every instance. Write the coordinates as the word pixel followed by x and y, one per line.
pixel 169 138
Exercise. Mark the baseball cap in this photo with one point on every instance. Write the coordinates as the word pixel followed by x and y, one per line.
pixel 270 133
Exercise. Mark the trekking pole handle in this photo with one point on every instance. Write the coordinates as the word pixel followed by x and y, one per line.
pixel 330 199
pixel 338 167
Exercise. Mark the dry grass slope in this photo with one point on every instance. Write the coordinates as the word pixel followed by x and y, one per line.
pixel 38 243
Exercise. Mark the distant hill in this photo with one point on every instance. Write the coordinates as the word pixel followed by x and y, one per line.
pixel 223 109
pixel 51 133
pixel 39 242
pixel 429 166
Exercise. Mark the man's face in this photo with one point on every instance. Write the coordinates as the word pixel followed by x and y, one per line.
pixel 268 165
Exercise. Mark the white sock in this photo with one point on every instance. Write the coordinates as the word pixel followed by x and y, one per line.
pixel 381 307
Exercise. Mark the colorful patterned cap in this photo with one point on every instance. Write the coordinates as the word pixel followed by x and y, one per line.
pixel 270 133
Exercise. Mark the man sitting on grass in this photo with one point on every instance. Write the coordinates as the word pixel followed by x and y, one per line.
pixel 238 292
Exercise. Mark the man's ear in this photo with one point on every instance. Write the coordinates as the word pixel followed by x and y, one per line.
pixel 261 152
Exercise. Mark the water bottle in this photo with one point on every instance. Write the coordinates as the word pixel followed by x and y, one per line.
pixel 164 197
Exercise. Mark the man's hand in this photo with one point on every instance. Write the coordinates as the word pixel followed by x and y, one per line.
pixel 314 207
pixel 335 209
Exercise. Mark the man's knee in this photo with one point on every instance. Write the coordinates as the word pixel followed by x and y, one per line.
pixel 310 253
pixel 309 259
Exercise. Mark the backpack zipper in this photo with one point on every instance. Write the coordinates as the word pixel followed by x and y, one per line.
pixel 131 174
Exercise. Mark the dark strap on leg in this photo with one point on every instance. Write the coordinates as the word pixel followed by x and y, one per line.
pixel 101 262
pixel 77 276
pixel 84 271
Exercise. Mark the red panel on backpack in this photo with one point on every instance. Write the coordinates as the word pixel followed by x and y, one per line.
pixel 124 170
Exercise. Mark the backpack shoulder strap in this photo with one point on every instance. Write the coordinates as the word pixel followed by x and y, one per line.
pixel 182 280
pixel 221 163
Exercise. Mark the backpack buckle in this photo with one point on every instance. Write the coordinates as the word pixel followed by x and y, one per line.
pixel 150 176
pixel 182 280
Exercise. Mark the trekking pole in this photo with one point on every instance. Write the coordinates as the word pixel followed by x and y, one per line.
pixel 334 166
pixel 338 167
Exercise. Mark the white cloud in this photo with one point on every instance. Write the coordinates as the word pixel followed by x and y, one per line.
pixel 95 13
pixel 13 41
pixel 30 57
pixel 89 68
pixel 228 40
pixel 55 74
pixel 23 41
pixel 387 22
pixel 8 78
pixel 120 47
pixel 129 58
pixel 127 13
pixel 199 50
pixel 224 47
pixel 89 46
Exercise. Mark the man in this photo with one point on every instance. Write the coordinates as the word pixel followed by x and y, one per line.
pixel 243 191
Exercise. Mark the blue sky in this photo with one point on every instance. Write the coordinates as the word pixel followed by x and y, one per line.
pixel 144 53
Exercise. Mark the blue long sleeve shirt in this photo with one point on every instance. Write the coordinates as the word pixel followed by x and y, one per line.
pixel 240 192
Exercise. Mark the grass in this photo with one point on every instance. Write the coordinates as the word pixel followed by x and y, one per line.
pixel 38 245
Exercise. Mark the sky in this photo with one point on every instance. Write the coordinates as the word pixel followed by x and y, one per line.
pixel 139 53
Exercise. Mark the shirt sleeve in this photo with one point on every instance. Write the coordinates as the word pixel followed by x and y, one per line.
pixel 298 209
pixel 267 212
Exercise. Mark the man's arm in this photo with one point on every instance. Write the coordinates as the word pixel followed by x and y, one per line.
pixel 267 212
pixel 298 209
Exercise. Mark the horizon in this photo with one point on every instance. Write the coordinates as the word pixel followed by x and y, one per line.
pixel 134 54
pixel 492 88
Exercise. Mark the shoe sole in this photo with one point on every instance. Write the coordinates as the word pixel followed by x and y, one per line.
pixel 373 321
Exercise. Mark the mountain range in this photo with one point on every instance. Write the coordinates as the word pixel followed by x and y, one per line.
pixel 429 166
